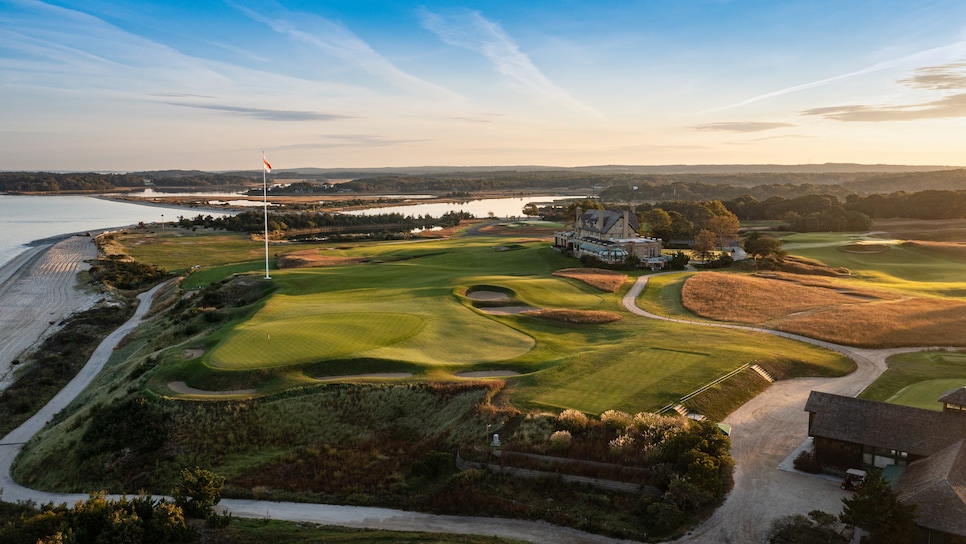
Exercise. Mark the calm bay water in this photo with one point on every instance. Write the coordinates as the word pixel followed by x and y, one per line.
pixel 500 207
pixel 24 219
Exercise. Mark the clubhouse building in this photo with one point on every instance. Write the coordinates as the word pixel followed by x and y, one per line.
pixel 923 451
pixel 610 237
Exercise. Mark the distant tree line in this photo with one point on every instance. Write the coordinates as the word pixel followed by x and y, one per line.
pixel 252 221
pixel 51 182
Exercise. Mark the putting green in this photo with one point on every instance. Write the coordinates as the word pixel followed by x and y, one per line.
pixel 926 394
pixel 297 340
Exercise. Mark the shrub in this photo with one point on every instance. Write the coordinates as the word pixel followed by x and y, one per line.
pixel 573 420
pixel 560 440
pixel 198 492
pixel 616 420
pixel 806 462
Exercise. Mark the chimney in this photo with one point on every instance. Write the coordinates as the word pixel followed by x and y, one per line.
pixel 626 230
pixel 600 221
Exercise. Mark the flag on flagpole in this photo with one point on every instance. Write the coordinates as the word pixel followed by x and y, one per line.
pixel 268 167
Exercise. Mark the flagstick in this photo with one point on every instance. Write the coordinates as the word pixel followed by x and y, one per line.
pixel 265 209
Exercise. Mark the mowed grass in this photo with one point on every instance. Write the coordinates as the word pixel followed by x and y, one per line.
pixel 919 379
pixel 401 307
pixel 177 250
pixel 912 268
pixel 264 342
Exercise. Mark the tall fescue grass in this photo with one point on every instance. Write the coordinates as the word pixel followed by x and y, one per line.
pixel 605 280
pixel 828 310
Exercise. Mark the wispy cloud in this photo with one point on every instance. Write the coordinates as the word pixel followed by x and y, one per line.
pixel 352 140
pixel 339 42
pixel 946 52
pixel 946 107
pixel 945 77
pixel 741 126
pixel 266 114
pixel 470 30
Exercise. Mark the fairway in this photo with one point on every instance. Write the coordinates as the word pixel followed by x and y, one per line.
pixel 266 344
pixel 636 375
pixel 402 307
pixel 926 394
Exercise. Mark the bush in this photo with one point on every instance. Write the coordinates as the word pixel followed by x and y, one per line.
pixel 198 492
pixel 560 440
pixel 806 462
pixel 616 420
pixel 573 420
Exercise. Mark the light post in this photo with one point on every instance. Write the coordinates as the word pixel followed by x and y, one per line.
pixel 162 224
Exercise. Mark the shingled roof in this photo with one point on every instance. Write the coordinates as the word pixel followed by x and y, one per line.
pixel 914 430
pixel 937 486
pixel 589 221
pixel 954 396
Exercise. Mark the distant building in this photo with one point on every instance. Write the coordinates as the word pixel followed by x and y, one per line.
pixel 610 237
pixel 926 447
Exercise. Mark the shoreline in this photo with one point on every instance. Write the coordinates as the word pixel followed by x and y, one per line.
pixel 38 290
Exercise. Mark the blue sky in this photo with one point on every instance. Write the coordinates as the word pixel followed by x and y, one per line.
pixel 141 85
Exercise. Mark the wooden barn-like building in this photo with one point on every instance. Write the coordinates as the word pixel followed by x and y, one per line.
pixel 927 447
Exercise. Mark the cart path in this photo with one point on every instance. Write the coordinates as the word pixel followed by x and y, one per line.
pixel 765 431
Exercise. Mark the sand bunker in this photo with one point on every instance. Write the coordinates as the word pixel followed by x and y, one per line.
pixel 184 389
pixel 192 353
pixel 488 296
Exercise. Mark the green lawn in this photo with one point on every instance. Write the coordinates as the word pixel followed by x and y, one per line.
pixel 913 270
pixel 402 309
pixel 919 379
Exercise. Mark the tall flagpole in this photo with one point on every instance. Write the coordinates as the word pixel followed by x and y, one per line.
pixel 265 209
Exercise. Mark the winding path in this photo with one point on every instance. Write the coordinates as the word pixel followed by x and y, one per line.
pixel 765 430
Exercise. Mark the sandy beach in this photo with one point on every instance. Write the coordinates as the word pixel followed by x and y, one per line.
pixel 38 289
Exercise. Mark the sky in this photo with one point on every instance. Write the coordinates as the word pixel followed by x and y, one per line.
pixel 112 85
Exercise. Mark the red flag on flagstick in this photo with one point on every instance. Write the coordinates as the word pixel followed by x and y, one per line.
pixel 268 167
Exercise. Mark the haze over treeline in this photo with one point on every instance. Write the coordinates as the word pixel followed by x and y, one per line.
pixel 613 182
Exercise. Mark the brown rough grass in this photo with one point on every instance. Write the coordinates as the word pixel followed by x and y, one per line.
pixel 312 258
pixel 954 250
pixel 799 265
pixel 819 308
pixel 605 280
pixel 585 317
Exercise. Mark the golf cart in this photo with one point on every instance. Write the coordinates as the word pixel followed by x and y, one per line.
pixel 854 479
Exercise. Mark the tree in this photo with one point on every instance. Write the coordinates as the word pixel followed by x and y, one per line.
pixel 530 210
pixel 679 260
pixel 198 492
pixel 725 227
pixel 875 507
pixel 704 245
pixel 761 247
pixel 658 223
